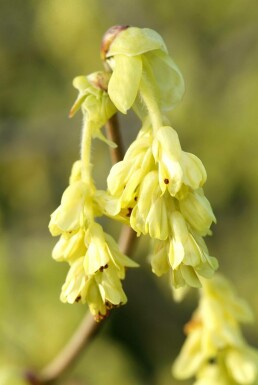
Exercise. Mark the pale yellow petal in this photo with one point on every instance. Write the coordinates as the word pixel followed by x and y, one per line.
pixel 242 366
pixel 190 358
pixel 197 210
pixel 135 41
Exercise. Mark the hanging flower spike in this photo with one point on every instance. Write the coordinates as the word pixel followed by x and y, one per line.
pixel 88 250
pixel 96 264
pixel 95 278
pixel 215 349
pixel 181 220
pixel 134 52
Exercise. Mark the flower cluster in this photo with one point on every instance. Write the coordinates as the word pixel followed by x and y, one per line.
pixel 215 350
pixel 157 184
pixel 97 266
pixel 156 188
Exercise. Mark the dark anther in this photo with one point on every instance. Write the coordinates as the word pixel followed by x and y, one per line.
pixel 109 305
pixel 212 360
pixel 166 181
pixel 78 298
pixel 103 267
pixel 100 317
pixel 129 211
pixel 135 198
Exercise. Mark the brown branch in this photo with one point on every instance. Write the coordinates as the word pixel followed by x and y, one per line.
pixel 113 134
pixel 64 360
pixel 88 327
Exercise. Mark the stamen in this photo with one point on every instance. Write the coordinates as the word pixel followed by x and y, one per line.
pixel 130 209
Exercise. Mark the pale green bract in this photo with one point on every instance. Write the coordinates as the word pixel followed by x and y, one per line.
pixel 136 41
pixel 135 53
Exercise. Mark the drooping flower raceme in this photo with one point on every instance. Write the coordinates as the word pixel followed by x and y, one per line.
pixel 215 351
pixel 97 266
pixel 158 186
pixel 159 190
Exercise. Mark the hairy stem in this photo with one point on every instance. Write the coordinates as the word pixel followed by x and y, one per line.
pixel 88 327
pixel 86 151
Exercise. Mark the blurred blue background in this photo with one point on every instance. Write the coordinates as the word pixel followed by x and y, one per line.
pixel 44 44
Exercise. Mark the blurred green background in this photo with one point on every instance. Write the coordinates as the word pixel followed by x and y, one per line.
pixel 44 44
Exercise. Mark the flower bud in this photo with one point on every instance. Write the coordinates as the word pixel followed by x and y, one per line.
pixel 109 37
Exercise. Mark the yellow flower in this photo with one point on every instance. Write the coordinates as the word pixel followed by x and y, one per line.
pixel 191 356
pixel 101 250
pixel 101 290
pixel 197 211
pixel 230 366
pixel 70 246
pixel 222 309
pixel 78 205
pixel 135 53
pixel 215 349
pixel 159 258
pixel 126 176
pixel 178 170
pixel 97 255
pixel 74 288
pixel 242 364
pixel 188 248
pixel 184 253
pixel 104 291
pixel 97 267
pixel 151 212
pixel 68 217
